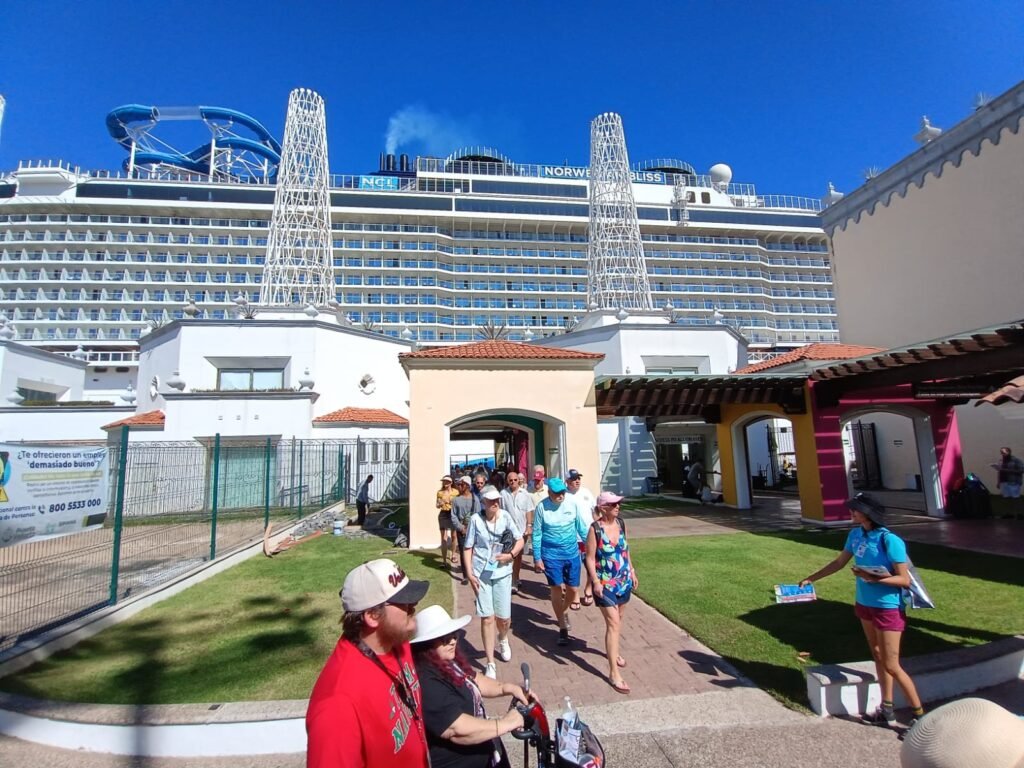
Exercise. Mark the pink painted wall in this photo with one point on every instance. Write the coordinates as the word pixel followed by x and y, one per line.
pixel 828 440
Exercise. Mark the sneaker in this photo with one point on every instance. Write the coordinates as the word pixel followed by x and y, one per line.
pixel 882 716
pixel 491 671
pixel 504 650
pixel 563 636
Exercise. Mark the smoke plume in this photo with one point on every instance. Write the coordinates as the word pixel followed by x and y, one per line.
pixel 437 134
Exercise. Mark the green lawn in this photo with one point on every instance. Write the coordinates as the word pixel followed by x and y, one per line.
pixel 719 588
pixel 261 630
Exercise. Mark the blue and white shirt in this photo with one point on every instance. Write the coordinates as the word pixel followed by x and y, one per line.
pixel 557 529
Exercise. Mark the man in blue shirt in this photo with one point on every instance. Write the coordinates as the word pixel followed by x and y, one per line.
pixel 557 527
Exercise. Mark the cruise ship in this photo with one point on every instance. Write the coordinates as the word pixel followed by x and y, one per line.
pixel 436 249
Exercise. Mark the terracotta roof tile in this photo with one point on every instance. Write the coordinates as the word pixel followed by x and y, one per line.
pixel 362 416
pixel 147 419
pixel 501 350
pixel 812 352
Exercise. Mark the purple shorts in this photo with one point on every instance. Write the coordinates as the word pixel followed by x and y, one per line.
pixel 885 619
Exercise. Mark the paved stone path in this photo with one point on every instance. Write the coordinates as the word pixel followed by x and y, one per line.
pixel 662 659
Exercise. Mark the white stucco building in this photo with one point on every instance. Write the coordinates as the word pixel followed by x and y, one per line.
pixel 934 246
pixel 650 344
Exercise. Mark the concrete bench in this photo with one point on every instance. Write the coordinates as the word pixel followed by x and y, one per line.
pixel 851 689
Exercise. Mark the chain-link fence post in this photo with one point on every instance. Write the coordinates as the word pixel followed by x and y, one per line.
pixel 323 474
pixel 266 485
pixel 302 475
pixel 216 483
pixel 122 476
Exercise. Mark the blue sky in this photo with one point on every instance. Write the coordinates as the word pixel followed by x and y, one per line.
pixel 791 95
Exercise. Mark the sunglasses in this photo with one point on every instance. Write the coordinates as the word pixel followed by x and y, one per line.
pixel 408 608
pixel 445 639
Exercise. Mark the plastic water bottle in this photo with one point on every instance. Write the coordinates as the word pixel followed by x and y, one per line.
pixel 569 714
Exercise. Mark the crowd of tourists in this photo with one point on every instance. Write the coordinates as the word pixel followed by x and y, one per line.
pixel 411 698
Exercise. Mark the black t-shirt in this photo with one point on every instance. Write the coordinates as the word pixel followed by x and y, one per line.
pixel 443 702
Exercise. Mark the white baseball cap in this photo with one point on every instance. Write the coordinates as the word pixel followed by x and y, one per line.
pixel 490 493
pixel 378 582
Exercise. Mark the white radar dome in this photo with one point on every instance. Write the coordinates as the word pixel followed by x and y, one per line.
pixel 720 173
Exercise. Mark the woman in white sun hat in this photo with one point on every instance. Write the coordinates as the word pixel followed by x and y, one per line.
pixel 458 729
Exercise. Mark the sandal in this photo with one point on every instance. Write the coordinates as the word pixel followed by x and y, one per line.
pixel 575 606
pixel 619 685
pixel 620 662
pixel 587 600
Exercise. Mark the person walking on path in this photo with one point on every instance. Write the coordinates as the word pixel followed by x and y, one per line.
pixel 363 500
pixel 444 519
pixel 539 486
pixel 612 577
pixel 696 478
pixel 464 507
pixel 879 603
pixel 492 542
pixel 1010 471
pixel 366 710
pixel 517 502
pixel 458 730
pixel 584 501
pixel 557 527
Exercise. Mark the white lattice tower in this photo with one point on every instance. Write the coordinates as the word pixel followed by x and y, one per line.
pixel 615 256
pixel 298 268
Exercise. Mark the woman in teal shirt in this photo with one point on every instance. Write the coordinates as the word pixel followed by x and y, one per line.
pixel 879 603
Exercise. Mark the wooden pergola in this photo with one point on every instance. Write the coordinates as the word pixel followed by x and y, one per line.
pixel 667 398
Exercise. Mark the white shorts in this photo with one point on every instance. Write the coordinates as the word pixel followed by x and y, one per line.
pixel 495 597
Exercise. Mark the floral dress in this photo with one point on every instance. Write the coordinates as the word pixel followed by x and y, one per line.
pixel 612 561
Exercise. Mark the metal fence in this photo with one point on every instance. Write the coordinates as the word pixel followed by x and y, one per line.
pixel 176 505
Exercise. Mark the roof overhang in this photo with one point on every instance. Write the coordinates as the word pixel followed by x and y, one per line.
pixel 667 398
pixel 969 365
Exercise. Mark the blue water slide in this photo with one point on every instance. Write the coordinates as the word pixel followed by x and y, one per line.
pixel 146 157
pixel 129 113
pixel 119 119
pixel 263 135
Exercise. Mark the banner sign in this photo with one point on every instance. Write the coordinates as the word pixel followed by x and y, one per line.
pixel 956 391
pixel 678 439
pixel 575 172
pixel 379 182
pixel 51 490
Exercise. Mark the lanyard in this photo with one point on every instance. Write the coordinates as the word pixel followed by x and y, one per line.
pixel 404 694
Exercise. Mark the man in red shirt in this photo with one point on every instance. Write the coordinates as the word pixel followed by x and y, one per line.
pixel 365 710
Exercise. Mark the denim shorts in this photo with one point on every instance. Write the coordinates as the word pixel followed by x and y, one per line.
pixel 609 599
pixel 495 597
pixel 562 571
pixel 1010 490
pixel 885 619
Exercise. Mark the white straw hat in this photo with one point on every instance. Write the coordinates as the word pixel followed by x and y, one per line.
pixel 434 622
pixel 967 733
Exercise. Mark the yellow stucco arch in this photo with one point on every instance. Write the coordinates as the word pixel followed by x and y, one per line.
pixel 734 462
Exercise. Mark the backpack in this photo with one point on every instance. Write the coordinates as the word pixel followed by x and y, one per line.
pixel 915 596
